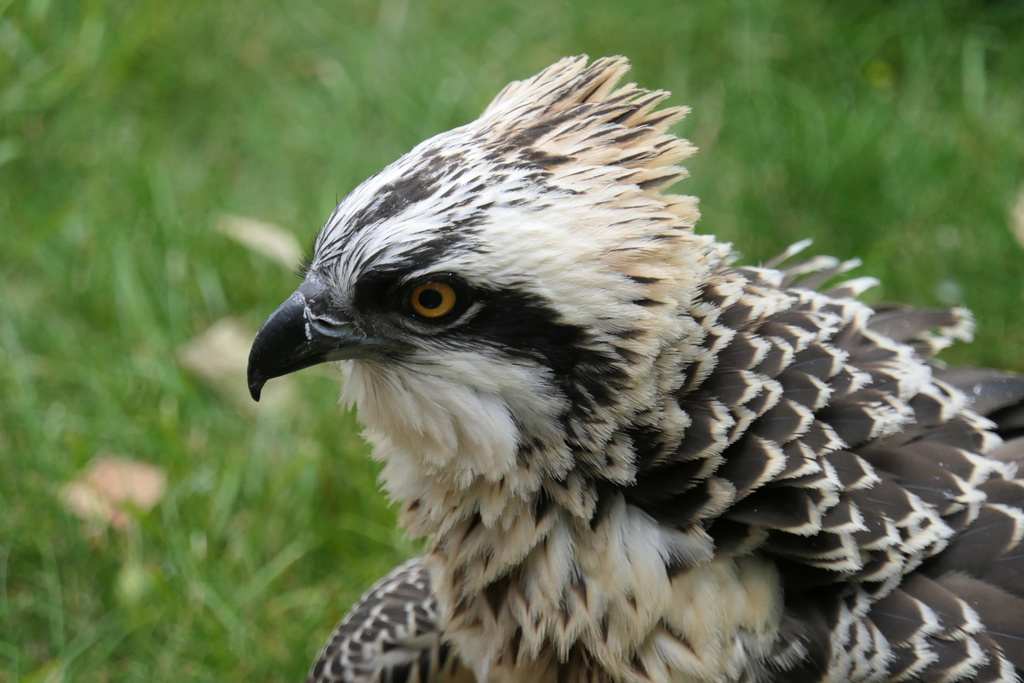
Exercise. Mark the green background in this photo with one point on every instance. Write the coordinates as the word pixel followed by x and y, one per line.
pixel 892 131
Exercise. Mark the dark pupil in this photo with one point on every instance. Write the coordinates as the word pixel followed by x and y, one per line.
pixel 430 298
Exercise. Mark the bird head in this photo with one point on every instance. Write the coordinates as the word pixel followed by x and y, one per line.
pixel 501 296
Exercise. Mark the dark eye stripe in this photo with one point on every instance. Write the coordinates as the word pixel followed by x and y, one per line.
pixel 525 325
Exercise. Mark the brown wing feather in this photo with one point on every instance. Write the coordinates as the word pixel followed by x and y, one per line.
pixel 821 435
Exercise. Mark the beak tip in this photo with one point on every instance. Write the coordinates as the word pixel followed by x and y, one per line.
pixel 254 377
pixel 256 386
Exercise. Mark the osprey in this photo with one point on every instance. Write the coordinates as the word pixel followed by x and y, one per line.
pixel 635 460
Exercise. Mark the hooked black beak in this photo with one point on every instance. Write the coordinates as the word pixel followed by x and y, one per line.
pixel 305 330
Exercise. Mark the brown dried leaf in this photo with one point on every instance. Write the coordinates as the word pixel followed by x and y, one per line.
pixel 110 486
pixel 272 241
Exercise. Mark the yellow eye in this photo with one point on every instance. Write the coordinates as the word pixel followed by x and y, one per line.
pixel 433 299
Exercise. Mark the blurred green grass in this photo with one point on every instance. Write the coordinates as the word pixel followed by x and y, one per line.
pixel 893 131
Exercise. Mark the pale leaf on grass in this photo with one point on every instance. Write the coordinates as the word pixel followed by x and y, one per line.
pixel 272 241
pixel 220 355
pixel 50 672
pixel 1017 217
pixel 110 488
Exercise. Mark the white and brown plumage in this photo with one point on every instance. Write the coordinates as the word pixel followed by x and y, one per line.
pixel 635 460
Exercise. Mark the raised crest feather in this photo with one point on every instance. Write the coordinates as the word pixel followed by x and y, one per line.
pixel 574 111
